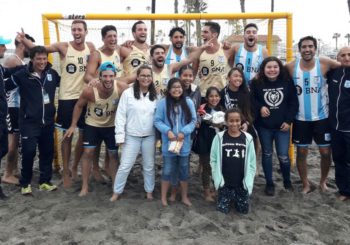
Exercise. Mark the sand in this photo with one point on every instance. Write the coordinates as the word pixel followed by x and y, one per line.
pixel 62 217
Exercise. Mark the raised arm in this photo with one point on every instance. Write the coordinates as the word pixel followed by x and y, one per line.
pixel 92 67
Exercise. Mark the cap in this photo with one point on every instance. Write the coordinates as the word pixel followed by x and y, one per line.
pixel 108 66
pixel 4 41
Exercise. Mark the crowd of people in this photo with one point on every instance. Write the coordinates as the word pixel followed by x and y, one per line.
pixel 137 96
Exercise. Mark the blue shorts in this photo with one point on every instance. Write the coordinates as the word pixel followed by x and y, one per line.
pixel 173 164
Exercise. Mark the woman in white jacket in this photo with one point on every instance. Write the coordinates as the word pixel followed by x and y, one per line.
pixel 135 132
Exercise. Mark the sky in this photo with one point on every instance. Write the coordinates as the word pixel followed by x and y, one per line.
pixel 320 18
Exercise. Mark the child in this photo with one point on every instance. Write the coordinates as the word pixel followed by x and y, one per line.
pixel 175 118
pixel 233 163
pixel 205 136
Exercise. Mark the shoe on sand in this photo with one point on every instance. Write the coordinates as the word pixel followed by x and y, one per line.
pixel 270 190
pixel 26 190
pixel 47 187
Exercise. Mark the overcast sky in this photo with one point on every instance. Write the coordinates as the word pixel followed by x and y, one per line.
pixel 320 18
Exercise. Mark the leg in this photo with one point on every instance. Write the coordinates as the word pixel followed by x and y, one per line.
pixel 224 200
pixel 46 151
pixel 96 173
pixel 282 146
pixel 325 165
pixel 174 184
pixel 206 173
pixel 183 163
pixel 130 149
pixel 241 200
pixel 3 151
pixel 78 152
pixel 148 152
pixel 302 152
pixel 66 147
pixel 113 164
pixel 168 167
pixel 88 154
pixel 28 153
pixel 12 159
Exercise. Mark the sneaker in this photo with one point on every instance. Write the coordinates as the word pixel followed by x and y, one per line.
pixel 47 187
pixel 288 186
pixel 270 190
pixel 26 190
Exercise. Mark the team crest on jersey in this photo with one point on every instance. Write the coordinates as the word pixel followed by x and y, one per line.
pixel 71 68
pixel 115 101
pixel 49 77
pixel 205 71
pixel 273 97
pixel 165 81
pixel 317 79
pixel 135 62
pixel 347 84
pixel 98 112
pixel 221 59
pixel 299 90
pixel 240 66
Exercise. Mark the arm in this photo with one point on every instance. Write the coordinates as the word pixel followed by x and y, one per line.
pixel 12 82
pixel 92 67
pixel 265 53
pixel 159 118
pixel 293 103
pixel 120 119
pixel 328 64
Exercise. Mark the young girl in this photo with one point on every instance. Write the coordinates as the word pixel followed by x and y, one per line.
pixel 233 163
pixel 175 118
pixel 204 138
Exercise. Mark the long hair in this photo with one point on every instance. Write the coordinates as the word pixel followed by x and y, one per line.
pixel 244 102
pixel 151 88
pixel 261 78
pixel 172 103
pixel 218 107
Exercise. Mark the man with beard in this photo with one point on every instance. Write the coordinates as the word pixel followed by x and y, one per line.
pixel 311 122
pixel 138 53
pixel 250 54
pixel 13 99
pixel 74 56
pixel 101 102
pixel 339 110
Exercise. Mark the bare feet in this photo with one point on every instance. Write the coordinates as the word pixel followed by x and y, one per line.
pixel 98 176
pixel 149 196
pixel 75 176
pixel 83 192
pixel 164 202
pixel 114 198
pixel 306 189
pixel 10 179
pixel 173 194
pixel 186 201
pixel 67 182
pixel 208 196
pixel 343 198
pixel 324 187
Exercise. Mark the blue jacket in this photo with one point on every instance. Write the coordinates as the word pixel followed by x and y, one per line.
pixel 162 123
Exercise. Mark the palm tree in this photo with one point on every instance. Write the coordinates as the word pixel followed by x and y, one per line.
pixel 242 2
pixel 176 10
pixel 349 5
pixel 153 24
pixel 196 6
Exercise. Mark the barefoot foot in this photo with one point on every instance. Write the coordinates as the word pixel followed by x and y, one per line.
pixel 114 198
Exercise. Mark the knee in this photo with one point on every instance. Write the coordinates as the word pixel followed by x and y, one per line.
pixel 266 153
pixel 166 172
pixel 88 154
pixel 325 154
pixel 283 159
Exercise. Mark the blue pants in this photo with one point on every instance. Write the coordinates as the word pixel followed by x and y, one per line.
pixel 281 138
pixel 238 196
pixel 341 156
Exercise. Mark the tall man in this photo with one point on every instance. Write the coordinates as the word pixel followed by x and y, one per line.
pixel 311 122
pixel 250 54
pixel 37 85
pixel 339 111
pixel 74 56
pixel 13 99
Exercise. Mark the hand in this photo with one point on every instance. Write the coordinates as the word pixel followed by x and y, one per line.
pixel 244 127
pixel 285 126
pixel 180 137
pixel 93 83
pixel 128 44
pixel 264 111
pixel 171 136
pixel 226 45
pixel 20 35
pixel 68 133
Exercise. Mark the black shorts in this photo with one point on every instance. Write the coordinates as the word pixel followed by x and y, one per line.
pixel 12 120
pixel 65 115
pixel 305 131
pixel 93 136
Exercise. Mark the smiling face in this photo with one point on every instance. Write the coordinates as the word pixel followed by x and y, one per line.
pixel 235 80
pixel 250 36
pixel 158 57
pixel 110 40
pixel 233 122
pixel 140 34
pixel 107 79
pixel 2 50
pixel 344 56
pixel 39 62
pixel 307 50
pixel 272 70
pixel 213 98
pixel 177 40
pixel 187 77
pixel 176 90
pixel 78 32
pixel 145 78
pixel 207 34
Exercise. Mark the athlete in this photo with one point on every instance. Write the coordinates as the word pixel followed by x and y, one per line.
pixel 311 122
pixel 101 102
pixel 250 54
pixel 74 56
pixel 13 99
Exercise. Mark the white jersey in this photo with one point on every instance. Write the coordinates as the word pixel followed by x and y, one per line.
pixel 312 92
pixel 12 96
pixel 171 57
pixel 248 61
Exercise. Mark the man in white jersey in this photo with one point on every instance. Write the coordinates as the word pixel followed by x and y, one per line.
pixel 311 122
pixel 74 56
pixel 214 60
pixel 250 54
pixel 13 99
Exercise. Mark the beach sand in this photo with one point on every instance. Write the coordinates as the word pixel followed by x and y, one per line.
pixel 61 217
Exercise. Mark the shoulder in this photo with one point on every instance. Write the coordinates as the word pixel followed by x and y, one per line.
pixel 91 46
pixel 12 61
pixel 248 136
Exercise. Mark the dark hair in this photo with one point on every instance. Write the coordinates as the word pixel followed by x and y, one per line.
pixel 261 77
pixel 171 103
pixel 80 22
pixel 250 25
pixel 37 50
pixel 27 37
pixel 106 29
pixel 209 90
pixel 244 102
pixel 155 47
pixel 175 29
pixel 184 68
pixel 133 28
pixel 214 26
pixel 151 89
pixel 233 110
pixel 307 38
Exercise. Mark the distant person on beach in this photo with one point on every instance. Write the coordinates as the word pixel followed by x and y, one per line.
pixel 175 118
pixel 73 56
pixel 233 164
pixel 37 86
pixel 13 101
pixel 339 117
pixel 101 102
pixel 308 73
